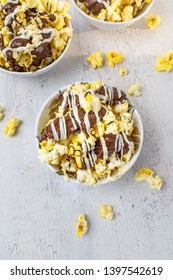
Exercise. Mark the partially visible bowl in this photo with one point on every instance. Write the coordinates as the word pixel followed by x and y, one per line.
pixel 46 68
pixel 111 26
pixel 43 118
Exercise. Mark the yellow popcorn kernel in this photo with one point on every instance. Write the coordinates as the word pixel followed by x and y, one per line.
pixel 169 56
pixel 96 85
pixel 96 59
pixel 45 145
pixel 89 97
pixel 114 58
pixel 7 38
pixel 165 63
pixel 11 126
pixel 31 3
pixel 123 71
pixel 153 21
pixel 106 211
pixel 147 175
pixel 127 13
pixel 134 90
pixel 2 60
pixel 78 162
pixel 81 226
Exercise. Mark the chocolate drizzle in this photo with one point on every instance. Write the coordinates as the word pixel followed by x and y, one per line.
pixel 76 118
pixel 41 52
pixel 9 7
pixel 95 6
pixel 19 42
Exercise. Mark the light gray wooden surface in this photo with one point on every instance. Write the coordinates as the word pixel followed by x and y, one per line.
pixel 38 210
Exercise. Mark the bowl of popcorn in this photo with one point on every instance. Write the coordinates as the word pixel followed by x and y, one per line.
pixel 34 35
pixel 89 133
pixel 110 15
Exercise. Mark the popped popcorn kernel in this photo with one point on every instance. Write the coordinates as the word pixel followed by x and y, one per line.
pixel 134 90
pixel 147 175
pixel 11 126
pixel 1 113
pixel 46 145
pixel 114 58
pixel 165 63
pixel 96 59
pixel 106 211
pixel 123 72
pixel 81 226
pixel 153 21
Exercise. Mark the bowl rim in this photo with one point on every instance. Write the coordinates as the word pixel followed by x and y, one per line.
pixel 103 22
pixel 46 68
pixel 102 181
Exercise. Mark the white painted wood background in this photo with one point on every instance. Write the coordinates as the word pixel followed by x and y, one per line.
pixel 38 210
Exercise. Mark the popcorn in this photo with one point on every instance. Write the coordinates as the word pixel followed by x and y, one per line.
pixel 114 58
pixel 147 175
pixel 134 90
pixel 87 136
pixel 123 72
pixel 153 21
pixel 46 145
pixel 96 59
pixel 127 13
pixel 81 226
pixel 114 10
pixel 38 34
pixel 11 126
pixel 106 211
pixel 1 113
pixel 165 63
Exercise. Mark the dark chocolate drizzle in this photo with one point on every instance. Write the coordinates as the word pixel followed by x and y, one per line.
pixel 19 42
pixel 41 52
pixel 9 7
pixel 94 6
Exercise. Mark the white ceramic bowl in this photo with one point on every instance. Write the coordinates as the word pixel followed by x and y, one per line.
pixel 43 70
pixel 111 26
pixel 43 118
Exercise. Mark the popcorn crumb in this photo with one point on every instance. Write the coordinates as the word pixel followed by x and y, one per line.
pixel 1 113
pixel 134 90
pixel 153 21
pixel 147 175
pixel 81 226
pixel 114 58
pixel 96 59
pixel 11 126
pixel 123 72
pixel 106 211
pixel 165 63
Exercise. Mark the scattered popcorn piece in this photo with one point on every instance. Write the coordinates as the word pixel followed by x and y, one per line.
pixel 147 175
pixel 123 71
pixel 134 90
pixel 96 59
pixel 153 21
pixel 114 58
pixel 106 211
pixel 1 113
pixel 81 226
pixel 165 63
pixel 11 126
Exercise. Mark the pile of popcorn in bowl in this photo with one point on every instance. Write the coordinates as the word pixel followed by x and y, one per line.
pixel 33 34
